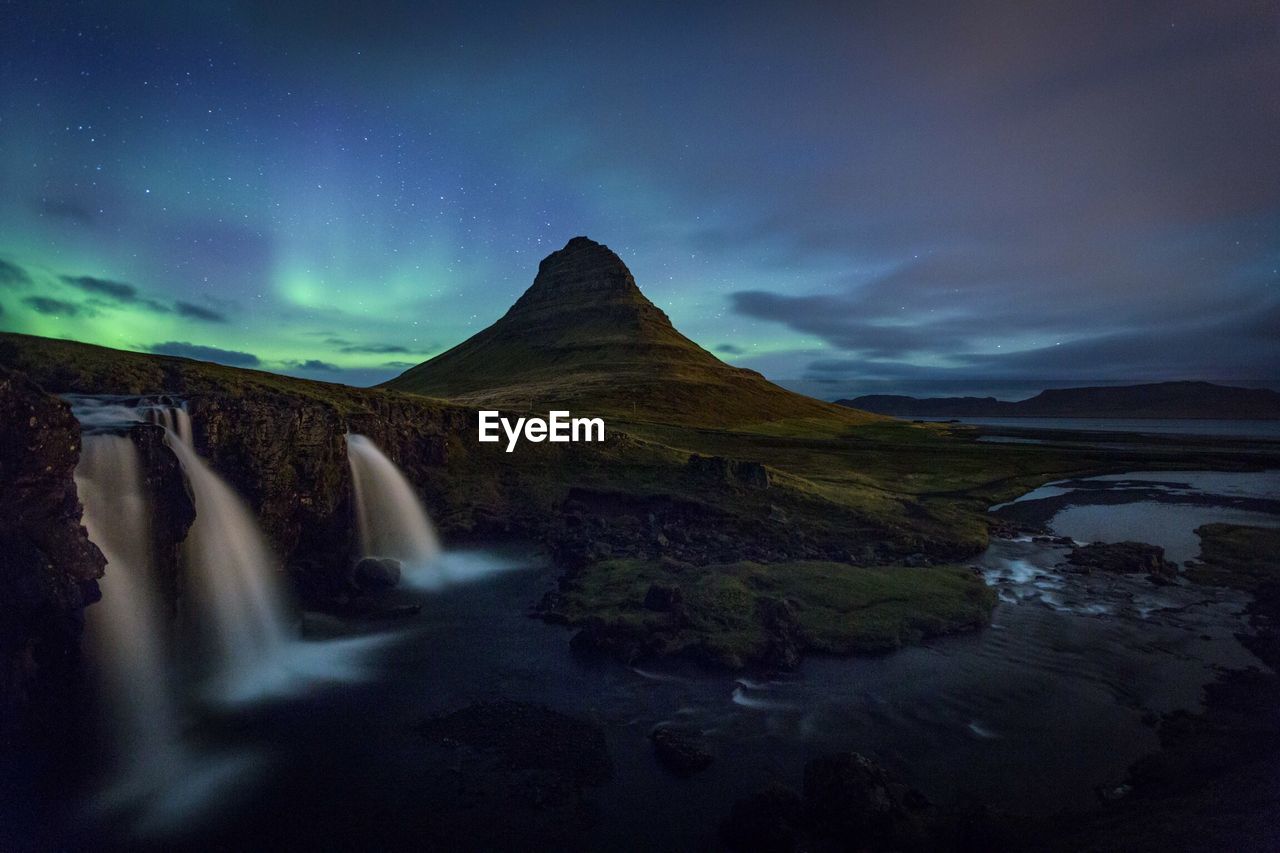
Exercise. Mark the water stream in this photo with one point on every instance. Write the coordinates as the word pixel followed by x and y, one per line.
pixel 390 518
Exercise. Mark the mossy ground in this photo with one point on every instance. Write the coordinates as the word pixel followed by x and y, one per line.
pixel 1237 556
pixel 724 612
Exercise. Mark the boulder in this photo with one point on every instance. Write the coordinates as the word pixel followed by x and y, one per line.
pixel 853 802
pixel 751 475
pixel 1124 557
pixel 680 750
pixel 371 574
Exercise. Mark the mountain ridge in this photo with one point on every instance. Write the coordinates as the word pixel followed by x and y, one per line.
pixel 1189 400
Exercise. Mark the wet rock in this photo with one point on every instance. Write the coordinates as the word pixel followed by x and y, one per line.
pixel 847 796
pixel 371 574
pixel 852 801
pixel 520 778
pixel 172 511
pixel 1124 557
pixel 768 821
pixel 524 736
pixel 680 750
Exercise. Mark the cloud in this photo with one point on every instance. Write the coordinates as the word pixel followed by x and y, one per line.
pixel 347 346
pixel 196 312
pixel 234 358
pixel 313 364
pixel 730 349
pixel 116 291
pixel 52 307
pixel 12 275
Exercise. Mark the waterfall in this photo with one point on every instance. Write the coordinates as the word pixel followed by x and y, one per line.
pixel 230 567
pixel 389 516
pixel 124 630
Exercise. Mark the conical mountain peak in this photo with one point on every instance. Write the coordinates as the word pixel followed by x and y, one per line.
pixel 583 337
pixel 582 269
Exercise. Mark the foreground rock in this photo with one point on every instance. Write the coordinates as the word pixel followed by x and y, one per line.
pixel 1124 557
pixel 372 574
pixel 680 750
pixel 849 803
pixel 520 774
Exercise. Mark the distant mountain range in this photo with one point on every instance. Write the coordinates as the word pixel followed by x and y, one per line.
pixel 584 338
pixel 1156 400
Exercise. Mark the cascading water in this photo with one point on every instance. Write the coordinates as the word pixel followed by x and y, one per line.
pixel 231 569
pixel 389 516
pixel 124 630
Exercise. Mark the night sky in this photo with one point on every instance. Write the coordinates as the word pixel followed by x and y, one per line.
pixel 847 197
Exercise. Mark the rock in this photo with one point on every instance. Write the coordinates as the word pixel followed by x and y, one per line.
pixel 371 574
pixel 680 750
pixel 521 777
pixel 781 623
pixel 768 821
pixel 48 566
pixel 852 801
pixel 524 736
pixel 1124 557
pixel 847 796
pixel 751 475
pixel 663 598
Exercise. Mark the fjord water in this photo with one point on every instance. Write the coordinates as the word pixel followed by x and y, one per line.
pixel 390 519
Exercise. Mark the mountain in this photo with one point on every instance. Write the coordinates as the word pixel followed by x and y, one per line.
pixel 584 338
pixel 1157 400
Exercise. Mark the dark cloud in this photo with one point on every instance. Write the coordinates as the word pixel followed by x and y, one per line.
pixel 117 291
pixel 347 346
pixel 730 349
pixel 12 275
pixel 204 353
pixel 196 312
pixel 52 307
pixel 314 364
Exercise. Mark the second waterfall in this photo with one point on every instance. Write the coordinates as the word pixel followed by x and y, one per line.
pixel 231 568
pixel 390 518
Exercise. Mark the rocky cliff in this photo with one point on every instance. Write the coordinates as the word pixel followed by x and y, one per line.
pixel 48 566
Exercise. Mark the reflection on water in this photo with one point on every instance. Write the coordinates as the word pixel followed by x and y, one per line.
pixel 1171 526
